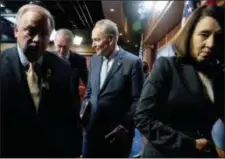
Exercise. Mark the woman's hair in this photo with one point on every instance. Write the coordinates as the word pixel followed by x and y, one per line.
pixel 145 67
pixel 182 39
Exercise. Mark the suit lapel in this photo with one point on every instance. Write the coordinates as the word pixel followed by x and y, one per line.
pixel 13 58
pixel 115 67
pixel 97 71
pixel 45 75
pixel 191 80
pixel 13 63
pixel 70 59
pixel 218 87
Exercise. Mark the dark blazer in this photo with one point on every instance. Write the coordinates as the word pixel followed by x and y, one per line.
pixel 113 104
pixel 79 72
pixel 78 62
pixel 173 110
pixel 53 130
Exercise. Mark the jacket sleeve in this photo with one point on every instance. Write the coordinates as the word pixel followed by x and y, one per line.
pixel 71 123
pixel 150 107
pixel 84 72
pixel 88 89
pixel 137 80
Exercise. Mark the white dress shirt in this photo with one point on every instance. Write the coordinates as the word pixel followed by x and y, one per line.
pixel 107 65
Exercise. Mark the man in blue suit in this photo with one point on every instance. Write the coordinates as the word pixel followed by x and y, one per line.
pixel 38 111
pixel 114 87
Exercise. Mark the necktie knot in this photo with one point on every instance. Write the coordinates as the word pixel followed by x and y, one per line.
pixel 31 67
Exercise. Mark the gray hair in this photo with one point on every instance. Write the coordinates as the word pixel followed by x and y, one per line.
pixel 109 27
pixel 65 32
pixel 37 8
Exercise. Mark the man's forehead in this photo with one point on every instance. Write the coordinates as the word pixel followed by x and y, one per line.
pixel 34 18
pixel 97 31
pixel 31 14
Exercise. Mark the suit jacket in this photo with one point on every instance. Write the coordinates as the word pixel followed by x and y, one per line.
pixel 78 63
pixel 79 72
pixel 173 110
pixel 116 101
pixel 53 130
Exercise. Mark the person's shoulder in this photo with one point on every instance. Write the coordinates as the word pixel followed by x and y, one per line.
pixel 166 61
pixel 77 57
pixel 129 59
pixel 55 60
pixel 8 52
pixel 93 57
pixel 170 59
pixel 129 56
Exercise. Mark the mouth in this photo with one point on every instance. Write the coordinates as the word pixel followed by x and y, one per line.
pixel 97 51
pixel 206 53
pixel 32 53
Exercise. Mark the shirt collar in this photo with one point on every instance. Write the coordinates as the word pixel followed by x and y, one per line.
pixel 23 58
pixel 66 56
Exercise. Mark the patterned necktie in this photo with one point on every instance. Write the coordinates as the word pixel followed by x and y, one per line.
pixel 32 80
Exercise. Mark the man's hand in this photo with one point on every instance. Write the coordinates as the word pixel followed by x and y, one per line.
pixel 220 153
pixel 201 143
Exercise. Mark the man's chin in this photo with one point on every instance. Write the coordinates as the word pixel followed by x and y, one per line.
pixel 32 54
pixel 99 53
pixel 205 60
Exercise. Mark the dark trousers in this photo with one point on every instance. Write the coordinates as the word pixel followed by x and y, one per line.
pixel 98 147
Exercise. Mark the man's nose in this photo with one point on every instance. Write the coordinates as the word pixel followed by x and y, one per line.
pixel 60 50
pixel 93 45
pixel 36 38
pixel 210 41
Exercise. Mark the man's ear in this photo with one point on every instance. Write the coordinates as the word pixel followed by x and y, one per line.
pixel 15 31
pixel 111 39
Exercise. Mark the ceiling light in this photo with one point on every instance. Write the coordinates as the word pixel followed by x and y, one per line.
pixel 2 5
pixel 147 5
pixel 121 34
pixel 136 45
pixel 128 41
pixel 10 17
pixel 144 8
pixel 77 40
pixel 160 5
pixel 112 10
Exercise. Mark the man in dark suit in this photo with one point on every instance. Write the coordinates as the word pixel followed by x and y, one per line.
pixel 63 42
pixel 114 86
pixel 38 113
